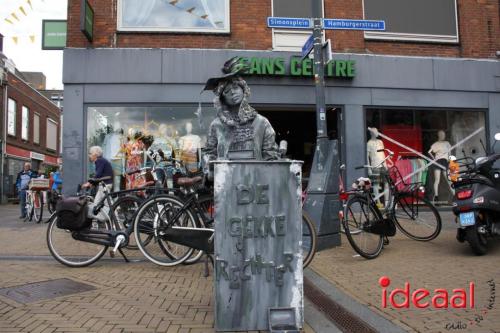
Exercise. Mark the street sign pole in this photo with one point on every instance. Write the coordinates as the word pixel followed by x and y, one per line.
pixel 319 72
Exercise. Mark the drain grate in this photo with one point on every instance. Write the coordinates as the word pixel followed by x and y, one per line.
pixel 34 292
pixel 342 318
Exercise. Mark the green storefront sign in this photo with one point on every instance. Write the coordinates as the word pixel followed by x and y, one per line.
pixel 295 66
pixel 54 34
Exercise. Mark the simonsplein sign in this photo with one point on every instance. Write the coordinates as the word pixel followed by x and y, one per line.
pixel 295 66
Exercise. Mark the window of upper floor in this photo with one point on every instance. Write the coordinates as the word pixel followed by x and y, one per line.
pixel 36 128
pixel 291 39
pixel 210 16
pixel 11 117
pixel 25 123
pixel 411 20
pixel 51 134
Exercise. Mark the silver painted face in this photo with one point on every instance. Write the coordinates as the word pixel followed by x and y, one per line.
pixel 233 94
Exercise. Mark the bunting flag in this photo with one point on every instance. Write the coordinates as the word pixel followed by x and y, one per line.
pixel 9 21
pixel 29 3
pixel 22 10
pixel 15 39
pixel 32 38
pixel 14 16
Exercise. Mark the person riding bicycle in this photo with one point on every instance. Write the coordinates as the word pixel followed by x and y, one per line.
pixel 22 183
pixel 103 168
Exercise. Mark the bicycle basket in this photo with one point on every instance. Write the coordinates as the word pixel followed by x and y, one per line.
pixel 72 213
pixel 39 184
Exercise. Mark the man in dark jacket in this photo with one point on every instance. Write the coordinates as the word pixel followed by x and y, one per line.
pixel 22 183
pixel 103 168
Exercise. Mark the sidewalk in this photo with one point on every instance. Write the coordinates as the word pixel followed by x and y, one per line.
pixel 119 297
pixel 442 263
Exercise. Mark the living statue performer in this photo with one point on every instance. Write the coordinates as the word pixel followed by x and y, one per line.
pixel 238 132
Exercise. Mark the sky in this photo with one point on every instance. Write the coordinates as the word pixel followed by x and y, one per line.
pixel 28 55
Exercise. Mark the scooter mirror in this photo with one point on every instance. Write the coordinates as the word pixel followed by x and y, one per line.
pixel 497 137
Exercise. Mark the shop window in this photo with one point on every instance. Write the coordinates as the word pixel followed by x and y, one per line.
pixel 11 117
pixel 291 39
pixel 51 134
pixel 25 123
pixel 181 15
pixel 423 20
pixel 127 133
pixel 36 128
pixel 419 137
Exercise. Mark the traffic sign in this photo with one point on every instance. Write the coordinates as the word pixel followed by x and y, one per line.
pixel 289 22
pixel 343 24
pixel 308 46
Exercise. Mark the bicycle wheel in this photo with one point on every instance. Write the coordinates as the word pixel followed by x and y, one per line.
pixel 358 213
pixel 124 209
pixel 29 208
pixel 152 219
pixel 37 206
pixel 416 217
pixel 71 252
pixel 309 239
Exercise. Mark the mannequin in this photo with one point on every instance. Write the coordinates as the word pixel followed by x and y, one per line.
pixel 190 149
pixel 375 159
pixel 134 150
pixel 167 143
pixel 440 152
pixel 113 152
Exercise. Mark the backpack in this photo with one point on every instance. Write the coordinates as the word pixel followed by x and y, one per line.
pixel 72 213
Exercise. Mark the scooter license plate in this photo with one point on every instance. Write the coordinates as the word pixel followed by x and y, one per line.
pixel 467 219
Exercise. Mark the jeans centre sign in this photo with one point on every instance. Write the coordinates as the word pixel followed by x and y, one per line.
pixel 295 66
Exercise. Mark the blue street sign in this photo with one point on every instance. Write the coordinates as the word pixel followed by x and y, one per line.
pixel 308 46
pixel 289 22
pixel 341 24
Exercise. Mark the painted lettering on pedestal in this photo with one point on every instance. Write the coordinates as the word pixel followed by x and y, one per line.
pixel 254 227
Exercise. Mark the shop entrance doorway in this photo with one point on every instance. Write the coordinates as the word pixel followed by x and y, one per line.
pixel 298 128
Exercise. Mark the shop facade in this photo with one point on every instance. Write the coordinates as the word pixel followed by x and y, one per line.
pixel 113 94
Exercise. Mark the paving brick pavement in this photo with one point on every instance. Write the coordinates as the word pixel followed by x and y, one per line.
pixel 442 263
pixel 129 297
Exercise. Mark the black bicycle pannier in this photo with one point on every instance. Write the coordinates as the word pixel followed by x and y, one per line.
pixel 383 227
pixel 72 213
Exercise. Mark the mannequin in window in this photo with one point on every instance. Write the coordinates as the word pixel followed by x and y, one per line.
pixel 134 152
pixel 190 149
pixel 375 158
pixel 440 152
pixel 166 142
pixel 113 152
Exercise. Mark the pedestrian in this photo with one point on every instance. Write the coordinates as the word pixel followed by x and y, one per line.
pixel 22 183
pixel 56 179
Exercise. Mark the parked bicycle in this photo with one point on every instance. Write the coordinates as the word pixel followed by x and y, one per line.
pixel 81 230
pixel 187 218
pixel 367 227
pixel 34 199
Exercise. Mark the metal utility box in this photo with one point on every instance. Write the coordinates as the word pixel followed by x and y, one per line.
pixel 258 235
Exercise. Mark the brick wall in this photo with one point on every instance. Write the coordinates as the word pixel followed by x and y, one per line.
pixel 24 95
pixel 479 31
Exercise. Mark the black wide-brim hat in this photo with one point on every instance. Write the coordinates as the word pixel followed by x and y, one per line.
pixel 232 68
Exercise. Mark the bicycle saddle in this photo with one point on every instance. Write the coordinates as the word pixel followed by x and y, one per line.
pixel 187 181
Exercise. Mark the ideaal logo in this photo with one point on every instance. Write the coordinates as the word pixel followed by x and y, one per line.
pixel 459 298
pixel 423 298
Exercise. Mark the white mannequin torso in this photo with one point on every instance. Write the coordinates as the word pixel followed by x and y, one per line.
pixel 375 157
pixel 440 149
